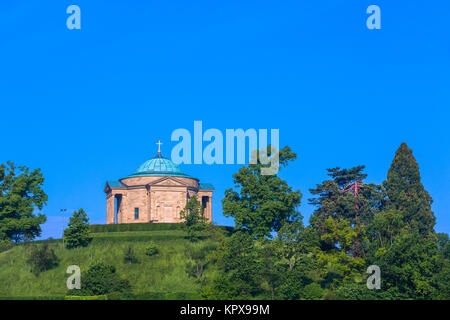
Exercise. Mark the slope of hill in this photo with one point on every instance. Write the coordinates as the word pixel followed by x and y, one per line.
pixel 160 276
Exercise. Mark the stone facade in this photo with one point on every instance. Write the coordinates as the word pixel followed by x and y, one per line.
pixel 154 197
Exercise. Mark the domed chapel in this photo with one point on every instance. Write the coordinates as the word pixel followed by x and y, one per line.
pixel 156 192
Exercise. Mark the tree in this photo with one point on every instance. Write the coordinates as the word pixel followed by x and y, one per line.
pixel 198 259
pixel 294 264
pixel 272 269
pixel 77 235
pixel 262 203
pixel 312 291
pixel 406 193
pixel 237 258
pixel 332 199
pixel 337 265
pixel 101 279
pixel 294 241
pixel 195 222
pixel 20 194
pixel 263 268
pixel 441 279
pixel 42 258
pixel 384 228
pixel 408 265
pixel 403 242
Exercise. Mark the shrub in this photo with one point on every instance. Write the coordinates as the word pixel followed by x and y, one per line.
pixel 42 258
pixel 151 249
pixel 129 255
pixel 198 259
pixel 6 245
pixel 101 279
pixel 312 291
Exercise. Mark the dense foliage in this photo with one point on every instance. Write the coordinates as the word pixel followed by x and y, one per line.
pixel 101 279
pixel 42 258
pixel 77 234
pixel 194 221
pixel 262 203
pixel 20 194
pixel 271 253
pixel 356 224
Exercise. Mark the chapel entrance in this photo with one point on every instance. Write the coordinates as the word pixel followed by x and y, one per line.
pixel 117 207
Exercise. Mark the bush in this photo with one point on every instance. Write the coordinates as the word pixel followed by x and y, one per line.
pixel 359 291
pixel 151 249
pixel 6 245
pixel 129 255
pixel 198 259
pixel 101 279
pixel 42 258
pixel 312 291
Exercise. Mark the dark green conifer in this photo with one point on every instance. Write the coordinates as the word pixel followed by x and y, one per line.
pixel 406 193
pixel 77 235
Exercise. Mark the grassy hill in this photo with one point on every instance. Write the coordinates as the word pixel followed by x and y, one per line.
pixel 151 277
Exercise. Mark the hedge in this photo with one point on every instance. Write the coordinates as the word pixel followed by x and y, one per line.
pixel 123 227
pixel 138 237
pixel 164 296
pixel 96 228
pixel 118 296
pixel 33 298
pixel 101 297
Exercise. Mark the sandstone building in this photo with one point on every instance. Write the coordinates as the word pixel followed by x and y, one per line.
pixel 156 192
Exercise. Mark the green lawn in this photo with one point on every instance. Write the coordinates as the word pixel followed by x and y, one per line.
pixel 151 276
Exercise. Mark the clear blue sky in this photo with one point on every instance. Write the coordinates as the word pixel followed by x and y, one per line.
pixel 88 105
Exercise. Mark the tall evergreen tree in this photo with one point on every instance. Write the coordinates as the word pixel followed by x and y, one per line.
pixel 406 193
pixel 77 235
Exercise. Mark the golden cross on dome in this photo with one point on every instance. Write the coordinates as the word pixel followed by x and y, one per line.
pixel 159 143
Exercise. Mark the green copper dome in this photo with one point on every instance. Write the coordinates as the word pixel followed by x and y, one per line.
pixel 159 166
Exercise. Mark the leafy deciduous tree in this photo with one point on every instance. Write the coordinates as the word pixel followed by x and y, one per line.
pixel 42 258
pixel 262 203
pixel 20 194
